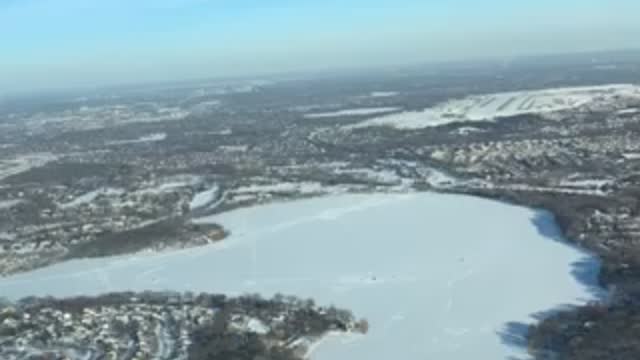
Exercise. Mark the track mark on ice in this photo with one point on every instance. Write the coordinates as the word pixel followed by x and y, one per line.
pixel 457 332
pixel 104 279
pixel 451 283
pixel 151 271
pixel 394 319
pixel 449 305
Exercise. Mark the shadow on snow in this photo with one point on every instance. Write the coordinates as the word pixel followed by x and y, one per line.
pixel 585 271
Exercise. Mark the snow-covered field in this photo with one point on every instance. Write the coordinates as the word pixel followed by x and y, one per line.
pixel 89 197
pixel 143 139
pixel 628 111
pixel 383 94
pixel 493 106
pixel 98 117
pixel 10 167
pixel 437 276
pixel 204 198
pixel 6 204
pixel 168 184
pixel 283 187
pixel 351 112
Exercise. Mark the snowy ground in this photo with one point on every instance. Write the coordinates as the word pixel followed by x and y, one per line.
pixel 89 197
pixel 98 117
pixel 628 111
pixel 6 204
pixel 493 106
pixel 147 138
pixel 168 184
pixel 377 94
pixel 351 112
pixel 437 276
pixel 204 198
pixel 23 163
pixel 283 187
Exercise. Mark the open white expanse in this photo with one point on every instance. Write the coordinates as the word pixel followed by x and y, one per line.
pixel 493 106
pixel 437 276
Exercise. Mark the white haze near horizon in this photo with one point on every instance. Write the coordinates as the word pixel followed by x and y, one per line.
pixel 437 276
pixel 96 43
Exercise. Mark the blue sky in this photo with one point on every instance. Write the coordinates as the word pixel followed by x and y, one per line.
pixel 66 43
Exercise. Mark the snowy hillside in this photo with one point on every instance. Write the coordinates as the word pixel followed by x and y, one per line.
pixel 492 106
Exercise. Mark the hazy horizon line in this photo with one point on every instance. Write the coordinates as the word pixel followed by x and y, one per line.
pixel 305 74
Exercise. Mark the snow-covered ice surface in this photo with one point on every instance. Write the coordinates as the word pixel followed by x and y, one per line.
pixel 437 276
pixel 493 106
pixel 351 112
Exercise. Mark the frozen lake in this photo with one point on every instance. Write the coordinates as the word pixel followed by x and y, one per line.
pixel 437 276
